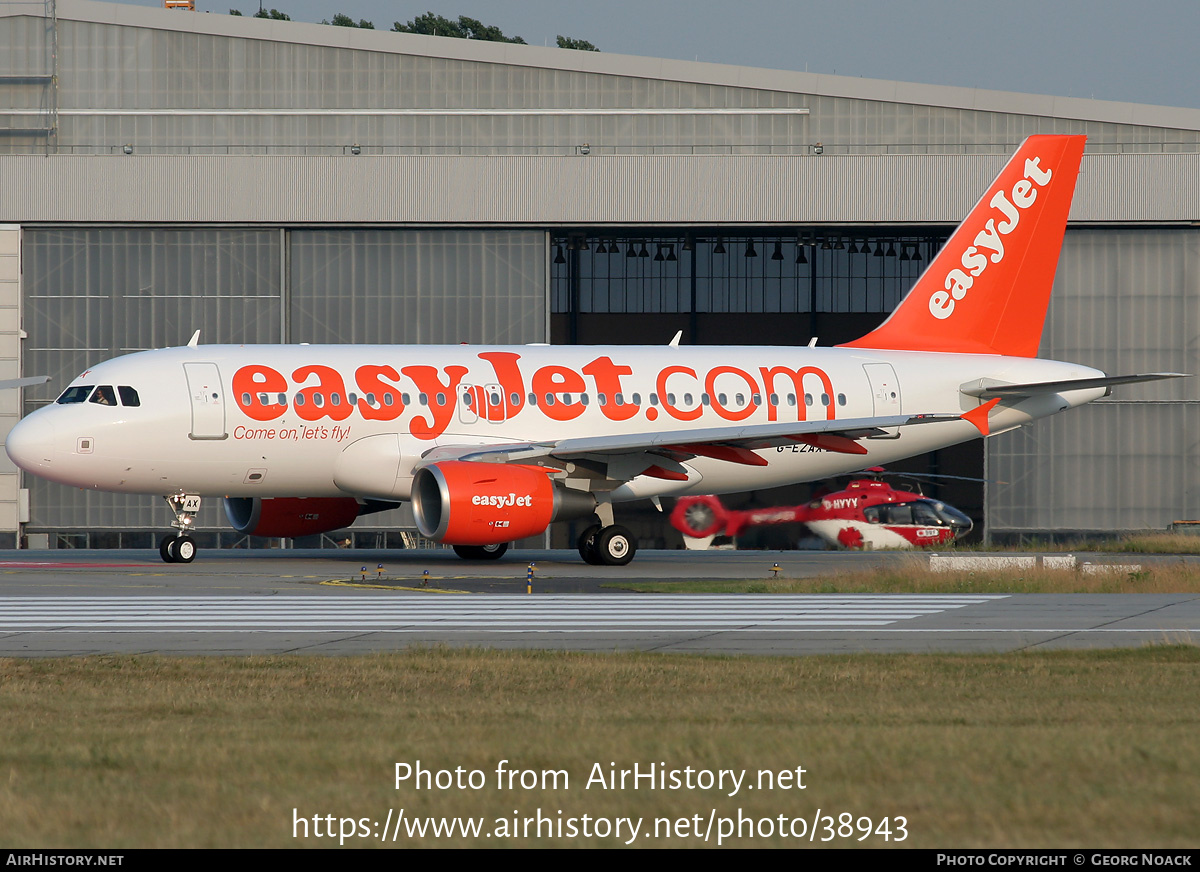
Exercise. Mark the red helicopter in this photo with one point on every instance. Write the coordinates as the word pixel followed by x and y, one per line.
pixel 868 514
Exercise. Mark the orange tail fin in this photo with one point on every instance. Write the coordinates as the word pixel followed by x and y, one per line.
pixel 987 290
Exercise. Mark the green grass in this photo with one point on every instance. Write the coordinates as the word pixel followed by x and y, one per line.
pixel 913 576
pixel 1059 749
pixel 1131 543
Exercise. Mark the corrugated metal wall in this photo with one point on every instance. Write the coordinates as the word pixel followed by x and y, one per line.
pixel 1124 301
pixel 139 61
pixel 508 190
pixel 94 293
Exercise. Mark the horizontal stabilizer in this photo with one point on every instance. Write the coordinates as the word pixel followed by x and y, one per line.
pixel 985 388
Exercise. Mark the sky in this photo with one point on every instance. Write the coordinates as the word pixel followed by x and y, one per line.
pixel 1137 52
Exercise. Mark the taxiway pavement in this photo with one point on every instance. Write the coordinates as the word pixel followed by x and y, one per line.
pixel 56 603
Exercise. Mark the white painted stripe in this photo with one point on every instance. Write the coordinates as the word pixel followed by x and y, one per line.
pixel 1074 631
pixel 375 112
pixel 411 613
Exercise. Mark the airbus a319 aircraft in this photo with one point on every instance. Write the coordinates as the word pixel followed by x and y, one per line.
pixel 493 444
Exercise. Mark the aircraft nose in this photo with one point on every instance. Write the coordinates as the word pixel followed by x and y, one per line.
pixel 30 443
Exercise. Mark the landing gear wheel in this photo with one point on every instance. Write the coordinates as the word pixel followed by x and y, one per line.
pixel 178 549
pixel 481 552
pixel 184 549
pixel 587 544
pixel 615 546
pixel 181 548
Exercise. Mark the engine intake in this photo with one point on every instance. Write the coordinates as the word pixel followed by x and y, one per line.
pixel 466 503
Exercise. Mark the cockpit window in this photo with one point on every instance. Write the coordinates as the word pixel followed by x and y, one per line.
pixel 129 397
pixel 76 394
pixel 923 513
pixel 104 395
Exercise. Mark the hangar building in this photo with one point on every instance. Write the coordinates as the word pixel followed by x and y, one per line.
pixel 266 181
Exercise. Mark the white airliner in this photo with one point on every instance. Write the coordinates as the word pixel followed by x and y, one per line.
pixel 493 444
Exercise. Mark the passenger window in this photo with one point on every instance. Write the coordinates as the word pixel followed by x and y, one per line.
pixel 104 396
pixel 246 399
pixel 299 399
pixel 129 397
pixel 77 394
pixel 637 399
pixel 514 398
pixel 441 399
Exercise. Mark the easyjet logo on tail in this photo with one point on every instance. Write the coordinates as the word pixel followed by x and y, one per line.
pixel 988 246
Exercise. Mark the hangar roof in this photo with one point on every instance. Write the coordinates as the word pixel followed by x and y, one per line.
pixel 1074 108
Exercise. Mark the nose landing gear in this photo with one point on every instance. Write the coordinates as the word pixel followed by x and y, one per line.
pixel 181 548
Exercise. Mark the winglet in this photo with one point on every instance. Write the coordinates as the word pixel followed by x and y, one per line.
pixel 195 340
pixel 979 416
pixel 674 343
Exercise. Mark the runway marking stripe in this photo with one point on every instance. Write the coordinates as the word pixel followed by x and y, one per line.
pixel 498 613
pixel 515 601
pixel 1186 631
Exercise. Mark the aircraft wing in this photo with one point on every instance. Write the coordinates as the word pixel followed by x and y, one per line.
pixel 734 443
pixel 11 383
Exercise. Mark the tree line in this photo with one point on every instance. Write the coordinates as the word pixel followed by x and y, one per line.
pixel 432 25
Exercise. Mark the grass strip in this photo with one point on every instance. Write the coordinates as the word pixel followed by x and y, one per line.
pixel 1076 748
pixel 913 576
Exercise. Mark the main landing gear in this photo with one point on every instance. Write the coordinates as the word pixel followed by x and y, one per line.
pixel 181 548
pixel 605 543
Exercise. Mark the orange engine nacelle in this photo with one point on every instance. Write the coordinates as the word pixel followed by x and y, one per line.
pixel 290 516
pixel 465 503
